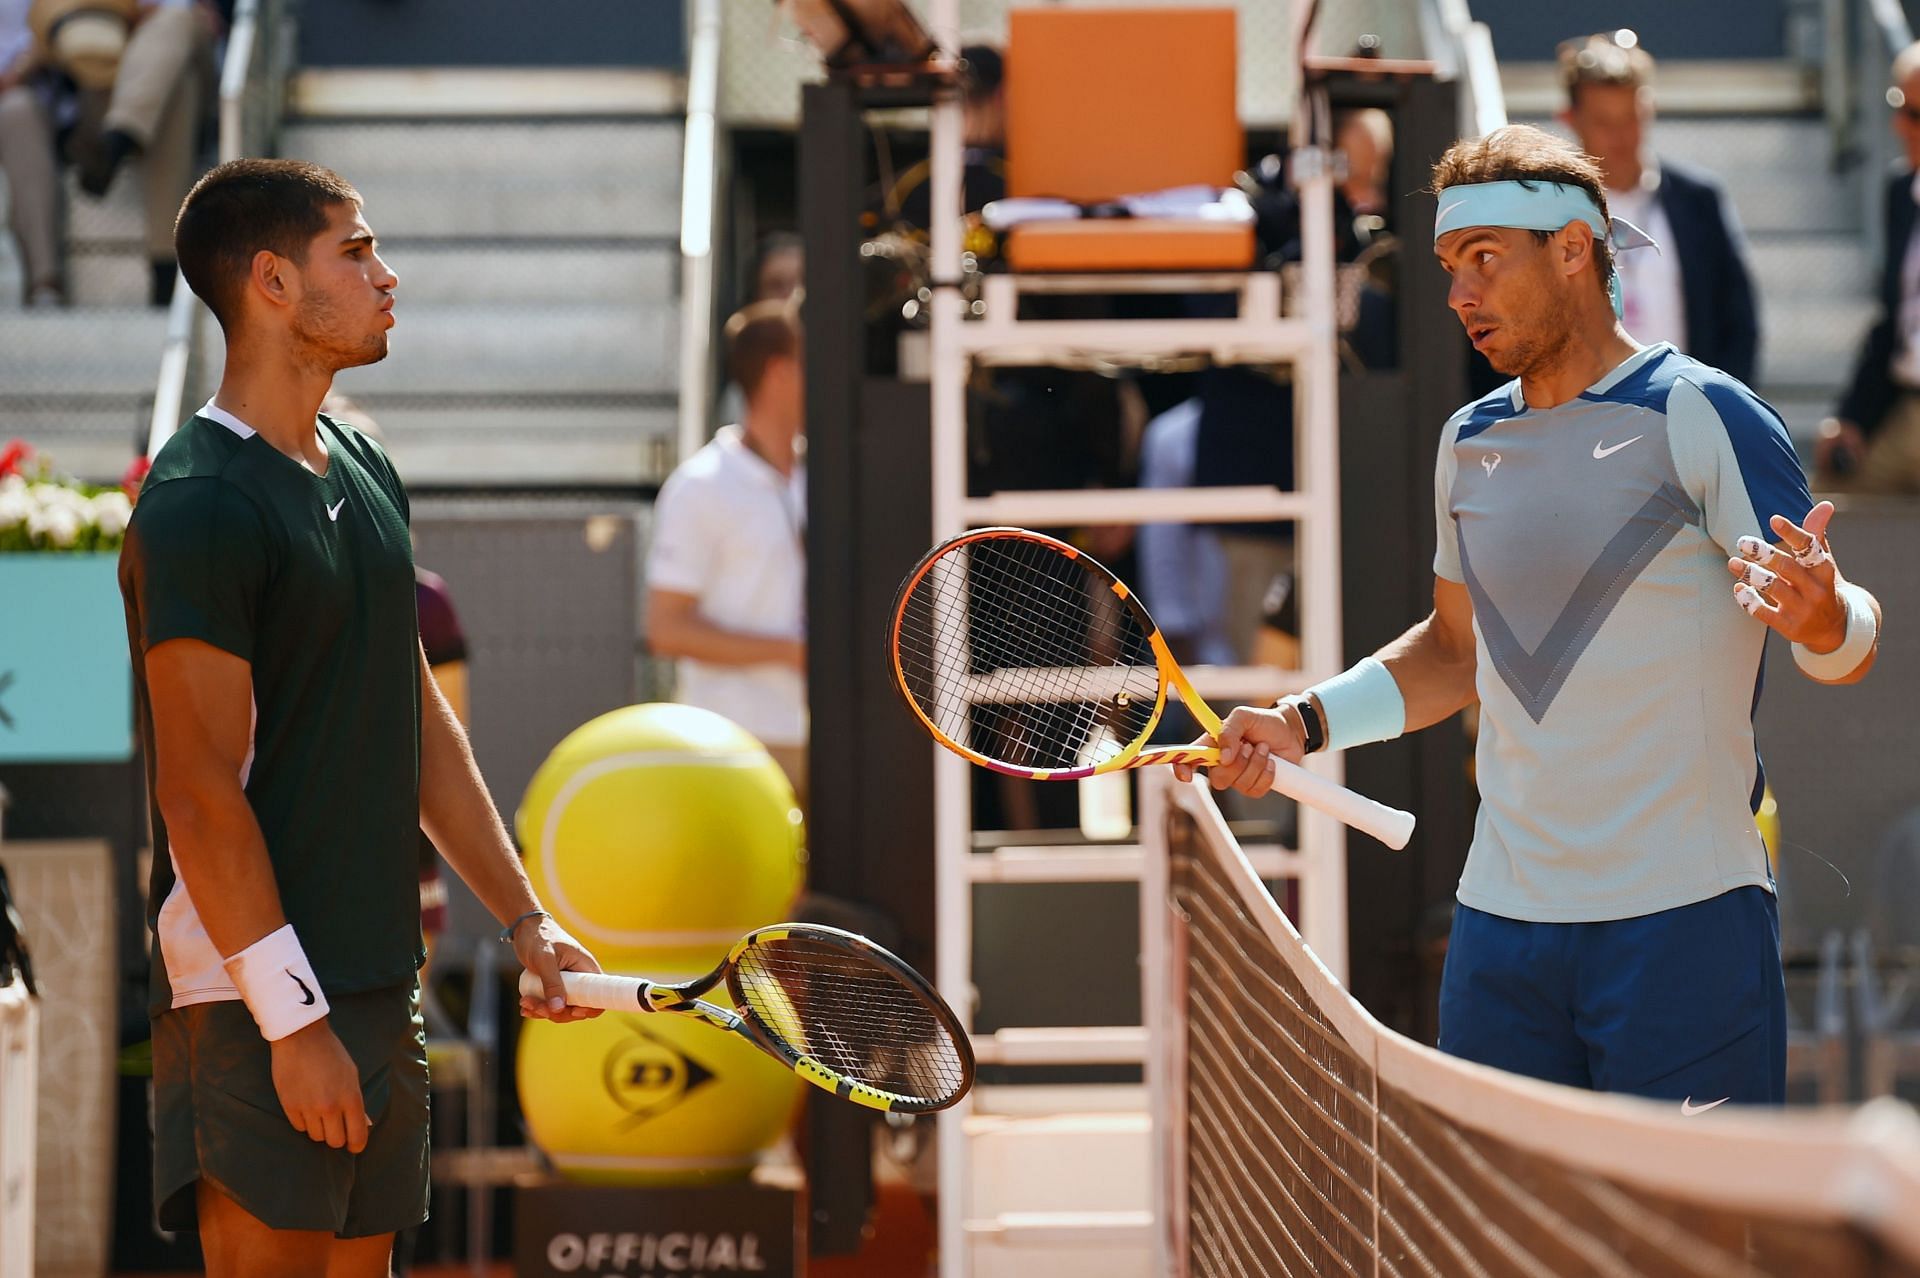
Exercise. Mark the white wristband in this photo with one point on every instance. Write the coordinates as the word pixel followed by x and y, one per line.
pixel 1862 633
pixel 1362 705
pixel 277 984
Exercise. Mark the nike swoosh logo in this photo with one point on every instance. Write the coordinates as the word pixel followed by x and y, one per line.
pixel 1689 1109
pixel 1600 453
pixel 333 511
pixel 1441 216
pixel 306 995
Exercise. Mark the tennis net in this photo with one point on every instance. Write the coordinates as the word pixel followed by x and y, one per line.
pixel 1297 1135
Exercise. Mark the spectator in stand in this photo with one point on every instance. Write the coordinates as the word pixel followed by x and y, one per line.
pixel 727 570
pixel 143 72
pixel 1872 443
pixel 27 158
pixel 779 268
pixel 1696 291
pixel 983 135
pixel 779 271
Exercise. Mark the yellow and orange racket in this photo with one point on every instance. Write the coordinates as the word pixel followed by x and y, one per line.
pixel 1026 655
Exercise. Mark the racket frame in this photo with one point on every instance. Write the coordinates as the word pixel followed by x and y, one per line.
pixel 1134 754
pixel 639 994
pixel 1390 826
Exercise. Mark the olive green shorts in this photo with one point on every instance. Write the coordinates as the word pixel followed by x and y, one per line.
pixel 216 1115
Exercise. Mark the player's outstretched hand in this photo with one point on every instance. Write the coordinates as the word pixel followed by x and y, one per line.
pixel 1249 737
pixel 1790 584
pixel 547 951
pixel 319 1087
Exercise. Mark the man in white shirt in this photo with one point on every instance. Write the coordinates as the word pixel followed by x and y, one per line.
pixel 727 568
pixel 1696 291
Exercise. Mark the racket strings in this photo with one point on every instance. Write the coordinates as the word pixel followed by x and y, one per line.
pixel 956 585
pixel 1040 716
pixel 1059 693
pixel 854 1015
pixel 989 648
pixel 1024 654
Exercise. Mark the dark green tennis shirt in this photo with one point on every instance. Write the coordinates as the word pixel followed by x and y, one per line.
pixel 309 578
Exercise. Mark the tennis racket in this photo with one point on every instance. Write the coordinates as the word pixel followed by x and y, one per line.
pixel 833 1007
pixel 1023 654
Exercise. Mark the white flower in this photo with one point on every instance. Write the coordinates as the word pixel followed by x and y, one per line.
pixel 112 510
pixel 60 497
pixel 57 524
pixel 58 515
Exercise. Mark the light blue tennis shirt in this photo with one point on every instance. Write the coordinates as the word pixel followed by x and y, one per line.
pixel 1617 675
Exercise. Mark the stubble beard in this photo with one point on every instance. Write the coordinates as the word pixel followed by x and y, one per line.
pixel 328 343
pixel 1544 348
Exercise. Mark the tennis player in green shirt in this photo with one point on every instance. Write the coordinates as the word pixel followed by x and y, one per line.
pixel 295 746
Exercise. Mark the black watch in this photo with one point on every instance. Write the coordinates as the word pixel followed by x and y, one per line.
pixel 1310 722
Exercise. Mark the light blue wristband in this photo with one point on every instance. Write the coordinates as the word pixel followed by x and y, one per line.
pixel 1362 705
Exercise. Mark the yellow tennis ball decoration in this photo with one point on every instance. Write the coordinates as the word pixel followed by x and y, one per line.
pixel 659 834
pixel 636 1099
pixel 1768 819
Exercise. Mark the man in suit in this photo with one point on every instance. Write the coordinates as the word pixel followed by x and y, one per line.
pixel 1872 442
pixel 1696 291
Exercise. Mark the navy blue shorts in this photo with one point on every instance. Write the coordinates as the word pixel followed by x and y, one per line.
pixel 1685 1005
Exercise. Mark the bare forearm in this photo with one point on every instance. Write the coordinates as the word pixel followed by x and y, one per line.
pixel 1435 673
pixel 696 637
pixel 458 814
pixel 222 857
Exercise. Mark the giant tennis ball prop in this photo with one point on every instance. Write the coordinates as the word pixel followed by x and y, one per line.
pixel 636 1099
pixel 659 834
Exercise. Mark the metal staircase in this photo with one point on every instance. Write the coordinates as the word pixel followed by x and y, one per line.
pixel 77 382
pixel 538 255
pixel 1802 147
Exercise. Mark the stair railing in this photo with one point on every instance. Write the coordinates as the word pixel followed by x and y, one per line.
pixel 253 87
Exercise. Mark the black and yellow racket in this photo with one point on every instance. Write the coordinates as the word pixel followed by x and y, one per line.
pixel 833 1007
pixel 1026 655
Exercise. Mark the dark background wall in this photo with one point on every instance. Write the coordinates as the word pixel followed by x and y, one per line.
pixel 477 33
pixel 1527 31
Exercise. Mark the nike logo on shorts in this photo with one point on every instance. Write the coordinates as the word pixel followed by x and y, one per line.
pixel 1600 454
pixel 1689 1109
pixel 333 511
pixel 306 995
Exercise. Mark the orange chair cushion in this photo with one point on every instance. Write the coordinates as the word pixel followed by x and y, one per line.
pixel 1108 102
pixel 1130 244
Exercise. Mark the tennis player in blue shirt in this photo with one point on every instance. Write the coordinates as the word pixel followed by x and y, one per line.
pixel 1619 527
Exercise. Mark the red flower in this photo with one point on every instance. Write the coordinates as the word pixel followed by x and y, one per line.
pixel 13 458
pixel 134 475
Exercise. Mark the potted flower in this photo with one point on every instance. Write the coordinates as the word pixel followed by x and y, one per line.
pixel 66 688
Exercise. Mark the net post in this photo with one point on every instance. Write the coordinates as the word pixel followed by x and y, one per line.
pixel 952 822
pixel 1163 1007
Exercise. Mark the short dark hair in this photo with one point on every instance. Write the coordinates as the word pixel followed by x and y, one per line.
pixel 1522 153
pixel 1607 57
pixel 759 334
pixel 983 72
pixel 243 206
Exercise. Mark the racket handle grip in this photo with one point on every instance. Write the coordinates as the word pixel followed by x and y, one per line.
pixel 594 989
pixel 1389 825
